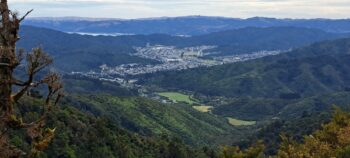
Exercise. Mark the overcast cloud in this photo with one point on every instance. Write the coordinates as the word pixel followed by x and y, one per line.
pixel 156 8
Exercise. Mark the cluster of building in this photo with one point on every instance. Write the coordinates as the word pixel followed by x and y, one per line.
pixel 170 53
pixel 172 58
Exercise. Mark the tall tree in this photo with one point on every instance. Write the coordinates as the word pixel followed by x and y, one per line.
pixel 36 60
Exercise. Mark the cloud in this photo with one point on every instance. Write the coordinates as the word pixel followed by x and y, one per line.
pixel 156 8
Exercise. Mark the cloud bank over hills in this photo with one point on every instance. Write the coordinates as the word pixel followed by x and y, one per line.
pixel 156 8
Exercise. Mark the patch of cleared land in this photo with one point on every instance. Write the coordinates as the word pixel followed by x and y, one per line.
pixel 236 122
pixel 178 97
pixel 203 108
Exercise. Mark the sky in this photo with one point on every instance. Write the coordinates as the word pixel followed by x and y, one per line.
pixel 131 9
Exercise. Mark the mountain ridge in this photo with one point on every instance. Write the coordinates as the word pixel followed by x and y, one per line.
pixel 187 25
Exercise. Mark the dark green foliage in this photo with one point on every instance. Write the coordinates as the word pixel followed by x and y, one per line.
pixel 295 128
pixel 251 108
pixel 295 119
pixel 262 109
pixel 80 134
pixel 290 96
pixel 152 118
pixel 330 140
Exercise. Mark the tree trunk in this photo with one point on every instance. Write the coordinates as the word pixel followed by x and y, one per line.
pixel 8 39
pixel 5 85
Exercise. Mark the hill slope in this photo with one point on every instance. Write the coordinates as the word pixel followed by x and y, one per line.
pixel 152 118
pixel 252 39
pixel 80 134
pixel 267 108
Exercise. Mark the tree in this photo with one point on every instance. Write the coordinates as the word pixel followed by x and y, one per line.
pixel 255 151
pixel 333 140
pixel 36 61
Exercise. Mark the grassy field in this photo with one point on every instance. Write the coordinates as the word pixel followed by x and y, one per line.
pixel 203 108
pixel 178 97
pixel 236 122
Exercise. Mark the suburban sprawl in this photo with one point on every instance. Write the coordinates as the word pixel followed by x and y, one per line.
pixel 172 58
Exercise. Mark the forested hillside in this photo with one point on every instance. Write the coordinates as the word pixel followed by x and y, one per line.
pixel 152 118
pixel 285 109
pixel 252 39
pixel 81 134
pixel 331 140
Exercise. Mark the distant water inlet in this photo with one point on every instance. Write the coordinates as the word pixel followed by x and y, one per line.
pixel 100 34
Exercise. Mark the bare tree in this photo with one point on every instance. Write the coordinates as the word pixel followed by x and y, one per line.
pixel 36 60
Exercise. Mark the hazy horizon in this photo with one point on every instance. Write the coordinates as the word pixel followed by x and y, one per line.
pixel 163 17
pixel 136 9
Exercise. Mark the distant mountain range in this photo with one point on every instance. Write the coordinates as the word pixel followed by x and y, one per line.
pixel 75 52
pixel 188 25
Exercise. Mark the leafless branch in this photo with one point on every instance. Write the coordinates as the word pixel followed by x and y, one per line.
pixel 25 15
pixel 36 61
